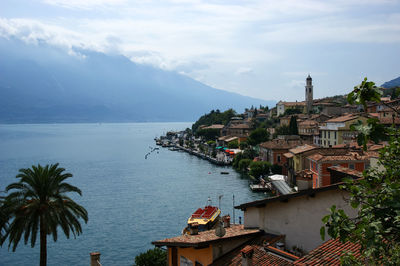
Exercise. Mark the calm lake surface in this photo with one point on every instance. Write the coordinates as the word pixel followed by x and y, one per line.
pixel 131 200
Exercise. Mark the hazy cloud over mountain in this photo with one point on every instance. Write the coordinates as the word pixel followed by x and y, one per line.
pixel 211 41
pixel 43 83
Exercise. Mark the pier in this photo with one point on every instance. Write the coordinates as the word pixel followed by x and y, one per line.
pixel 201 155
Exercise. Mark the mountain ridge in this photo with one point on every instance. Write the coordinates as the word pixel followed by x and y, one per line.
pixel 43 84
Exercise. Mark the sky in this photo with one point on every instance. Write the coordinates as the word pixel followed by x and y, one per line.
pixel 263 49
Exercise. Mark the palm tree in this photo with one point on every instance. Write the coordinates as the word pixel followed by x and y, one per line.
pixel 3 219
pixel 38 202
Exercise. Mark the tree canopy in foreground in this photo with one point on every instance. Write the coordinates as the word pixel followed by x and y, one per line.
pixel 376 197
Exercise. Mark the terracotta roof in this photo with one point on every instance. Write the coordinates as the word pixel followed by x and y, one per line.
pixel 231 139
pixel 342 118
pixel 288 155
pixel 215 126
pixel 305 174
pixel 351 156
pixel 206 237
pixel 354 145
pixel 224 137
pixel 301 149
pixel 261 256
pixel 281 144
pixel 345 170
pixel 323 103
pixel 374 115
pixel 308 123
pixel 329 253
pixel 244 126
pixel 293 103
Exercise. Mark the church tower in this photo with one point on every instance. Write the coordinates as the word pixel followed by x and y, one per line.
pixel 309 94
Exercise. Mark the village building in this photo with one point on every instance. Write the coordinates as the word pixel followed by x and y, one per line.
pixel 285 120
pixel 308 129
pixel 205 247
pixel 337 130
pixel 322 159
pixel 296 161
pixel 296 215
pixel 273 151
pixel 218 127
pixel 281 107
pixel 238 129
pixel 320 118
pixel 263 250
pixel 374 107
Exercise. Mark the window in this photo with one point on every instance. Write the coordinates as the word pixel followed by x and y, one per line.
pixel 329 134
pixel 278 158
pixel 198 263
pixel 351 166
pixel 324 134
pixel 335 134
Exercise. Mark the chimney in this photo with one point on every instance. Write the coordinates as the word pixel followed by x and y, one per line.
pixel 227 221
pixel 194 229
pixel 95 259
pixel 247 256
pixel 280 245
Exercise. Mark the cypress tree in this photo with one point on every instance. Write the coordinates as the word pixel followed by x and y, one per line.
pixel 293 129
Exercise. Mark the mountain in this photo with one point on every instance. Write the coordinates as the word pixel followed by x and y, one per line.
pixel 40 83
pixel 391 84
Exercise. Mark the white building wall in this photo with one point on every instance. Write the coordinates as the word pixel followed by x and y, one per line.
pixel 299 218
pixel 280 109
pixel 251 218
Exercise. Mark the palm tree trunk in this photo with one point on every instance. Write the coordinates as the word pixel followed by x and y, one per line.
pixel 43 242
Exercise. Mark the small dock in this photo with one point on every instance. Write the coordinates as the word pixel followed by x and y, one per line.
pixel 261 188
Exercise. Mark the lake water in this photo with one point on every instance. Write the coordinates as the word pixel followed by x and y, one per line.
pixel 131 200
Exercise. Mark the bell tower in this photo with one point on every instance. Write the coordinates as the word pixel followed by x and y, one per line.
pixel 309 94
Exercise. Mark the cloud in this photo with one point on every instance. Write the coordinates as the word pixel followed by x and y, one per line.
pixel 85 4
pixel 296 84
pixel 244 70
pixel 215 41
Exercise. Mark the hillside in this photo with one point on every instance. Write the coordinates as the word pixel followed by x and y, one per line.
pixel 40 83
pixel 391 84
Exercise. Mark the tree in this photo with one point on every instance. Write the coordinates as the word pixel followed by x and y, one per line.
pixel 292 111
pixel 243 145
pixel 282 130
pixel 3 219
pixel 258 136
pixel 209 133
pixel 244 164
pixel 39 203
pixel 293 129
pixel 233 144
pixel 152 257
pixel 260 168
pixel 376 226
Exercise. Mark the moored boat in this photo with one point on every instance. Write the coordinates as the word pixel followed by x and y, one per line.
pixel 203 219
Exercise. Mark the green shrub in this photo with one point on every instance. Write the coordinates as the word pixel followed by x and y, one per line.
pixel 152 257
pixel 258 169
